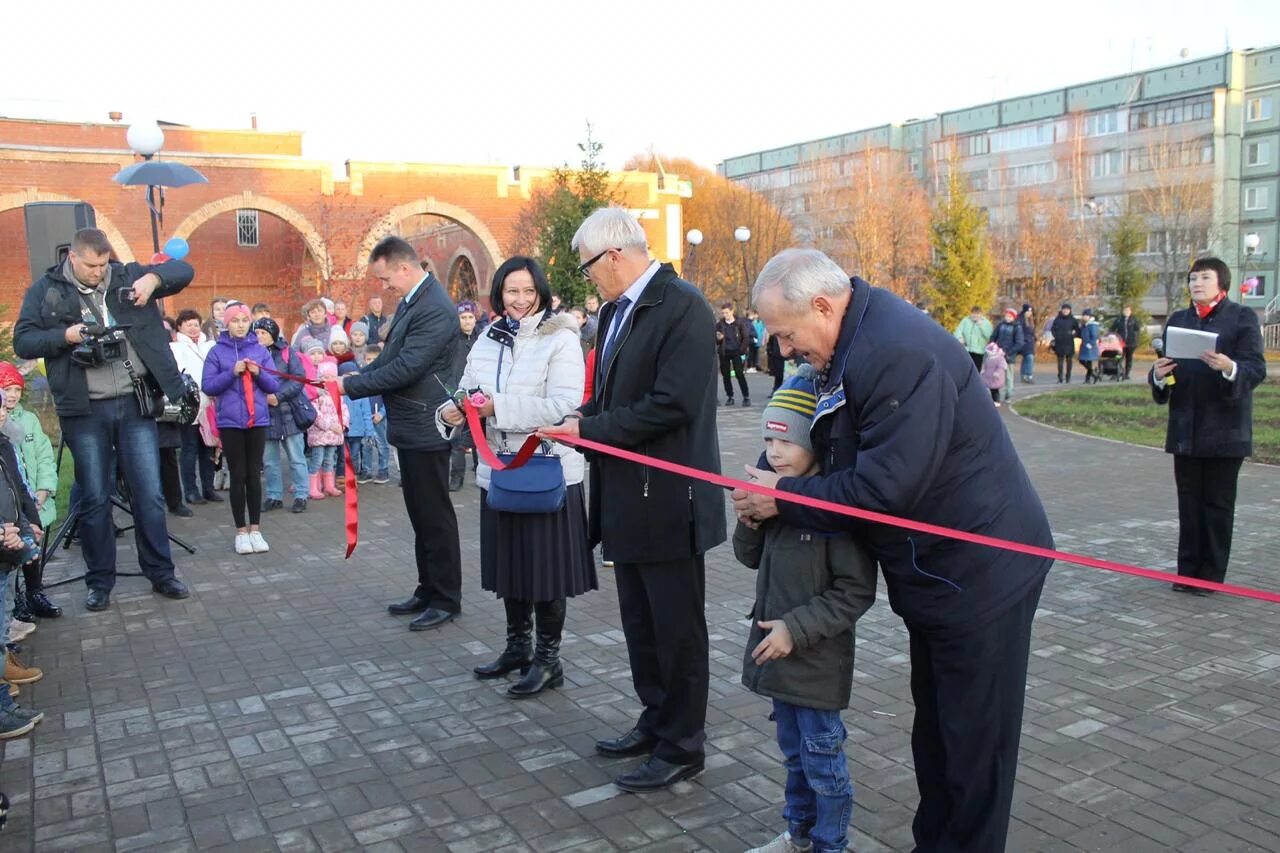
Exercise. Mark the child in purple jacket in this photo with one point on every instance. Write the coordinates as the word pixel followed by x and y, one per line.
pixel 232 377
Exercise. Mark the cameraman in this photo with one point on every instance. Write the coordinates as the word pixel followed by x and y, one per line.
pixel 93 392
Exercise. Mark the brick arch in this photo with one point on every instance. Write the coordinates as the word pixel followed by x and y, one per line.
pixel 456 261
pixel 388 223
pixel 120 245
pixel 248 201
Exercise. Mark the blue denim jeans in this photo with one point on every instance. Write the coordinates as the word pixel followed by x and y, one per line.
pixel 295 450
pixel 819 792
pixel 359 459
pixel 6 613
pixel 380 459
pixel 115 436
pixel 322 459
pixel 1028 365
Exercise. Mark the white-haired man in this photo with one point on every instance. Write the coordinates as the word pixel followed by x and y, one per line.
pixel 654 393
pixel 905 427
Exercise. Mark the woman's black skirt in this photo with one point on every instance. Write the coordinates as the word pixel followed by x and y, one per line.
pixel 537 557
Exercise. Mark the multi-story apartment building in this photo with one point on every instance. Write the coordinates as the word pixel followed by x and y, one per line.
pixel 1192 148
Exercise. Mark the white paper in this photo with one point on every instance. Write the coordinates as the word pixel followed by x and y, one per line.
pixel 1188 343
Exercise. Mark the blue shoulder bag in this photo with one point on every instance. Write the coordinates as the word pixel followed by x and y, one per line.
pixel 537 487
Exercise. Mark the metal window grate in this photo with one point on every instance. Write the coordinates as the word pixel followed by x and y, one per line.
pixel 247 228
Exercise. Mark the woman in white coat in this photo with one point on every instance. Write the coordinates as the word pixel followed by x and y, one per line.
pixel 190 349
pixel 529 366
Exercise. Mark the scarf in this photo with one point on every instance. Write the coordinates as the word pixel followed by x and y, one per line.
pixel 98 294
pixel 1206 310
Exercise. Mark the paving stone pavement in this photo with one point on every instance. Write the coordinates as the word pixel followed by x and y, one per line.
pixel 281 708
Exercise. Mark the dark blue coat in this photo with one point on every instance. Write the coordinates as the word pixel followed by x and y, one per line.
pixel 285 360
pixel 904 426
pixel 1008 336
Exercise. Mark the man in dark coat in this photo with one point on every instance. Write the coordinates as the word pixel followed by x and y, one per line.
pixel 1065 329
pixel 654 394
pixel 1210 432
pixel 97 406
pixel 1127 327
pixel 416 366
pixel 733 338
pixel 905 427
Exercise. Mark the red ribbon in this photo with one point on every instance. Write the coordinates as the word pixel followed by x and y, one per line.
pixel 531 444
pixel 352 510
pixel 482 447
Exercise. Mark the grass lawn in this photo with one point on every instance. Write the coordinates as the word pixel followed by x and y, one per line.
pixel 1127 413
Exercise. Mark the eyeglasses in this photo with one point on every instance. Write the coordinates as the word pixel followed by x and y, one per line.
pixel 583 269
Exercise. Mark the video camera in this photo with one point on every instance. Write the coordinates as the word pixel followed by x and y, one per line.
pixel 101 345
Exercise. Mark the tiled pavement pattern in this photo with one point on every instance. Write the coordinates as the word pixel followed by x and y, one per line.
pixel 281 708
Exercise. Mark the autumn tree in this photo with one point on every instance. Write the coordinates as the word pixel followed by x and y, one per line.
pixel 1047 256
pixel 963 272
pixel 548 222
pixel 870 213
pixel 721 267
pixel 1125 281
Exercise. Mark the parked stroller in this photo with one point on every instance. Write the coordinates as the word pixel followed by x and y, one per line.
pixel 1111 357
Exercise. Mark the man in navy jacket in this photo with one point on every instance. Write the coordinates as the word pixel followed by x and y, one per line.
pixel 904 427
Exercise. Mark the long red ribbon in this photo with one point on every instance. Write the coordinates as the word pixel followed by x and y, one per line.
pixel 532 442
pixel 352 508
pixel 482 447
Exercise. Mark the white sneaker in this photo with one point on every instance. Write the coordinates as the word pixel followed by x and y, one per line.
pixel 784 843
pixel 244 545
pixel 19 630
pixel 259 544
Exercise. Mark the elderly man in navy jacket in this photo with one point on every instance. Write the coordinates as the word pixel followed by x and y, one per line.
pixel 905 427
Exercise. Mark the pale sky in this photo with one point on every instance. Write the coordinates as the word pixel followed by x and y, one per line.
pixel 490 81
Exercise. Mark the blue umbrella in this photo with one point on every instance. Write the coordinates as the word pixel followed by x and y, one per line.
pixel 159 173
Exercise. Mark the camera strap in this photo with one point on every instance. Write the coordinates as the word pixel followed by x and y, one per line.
pixel 87 300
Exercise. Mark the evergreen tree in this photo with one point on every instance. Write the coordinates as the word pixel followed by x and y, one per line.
pixel 963 273
pixel 1126 282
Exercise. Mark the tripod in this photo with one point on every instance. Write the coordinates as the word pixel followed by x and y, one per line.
pixel 67 532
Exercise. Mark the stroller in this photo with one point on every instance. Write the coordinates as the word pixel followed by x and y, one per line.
pixel 1111 357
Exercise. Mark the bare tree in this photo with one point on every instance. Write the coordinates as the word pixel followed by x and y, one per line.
pixel 1048 255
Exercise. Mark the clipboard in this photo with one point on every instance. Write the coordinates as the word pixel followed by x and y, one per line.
pixel 1188 343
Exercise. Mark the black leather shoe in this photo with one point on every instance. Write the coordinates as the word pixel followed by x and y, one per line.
pixel 41 606
pixel 412 604
pixel 431 618
pixel 182 511
pixel 213 497
pixel 634 742
pixel 1180 587
pixel 272 503
pixel 98 599
pixel 171 588
pixel 299 505
pixel 656 774
pixel 1201 591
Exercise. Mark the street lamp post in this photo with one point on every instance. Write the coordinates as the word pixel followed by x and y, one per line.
pixel 1251 243
pixel 146 139
pixel 694 236
pixel 742 234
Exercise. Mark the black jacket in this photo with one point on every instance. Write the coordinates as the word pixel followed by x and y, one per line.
pixel 416 365
pixel 657 396
pixel 1209 416
pixel 737 335
pixel 1065 330
pixel 1028 334
pixel 16 505
pixel 818 585
pixel 52 304
pixel 1127 328
pixel 283 423
pixel 1008 336
pixel 904 426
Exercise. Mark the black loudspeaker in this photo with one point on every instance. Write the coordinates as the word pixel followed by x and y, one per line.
pixel 50 227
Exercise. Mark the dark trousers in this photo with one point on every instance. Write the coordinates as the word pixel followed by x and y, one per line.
pixel 424 474
pixel 665 624
pixel 969 690
pixel 977 360
pixel 753 356
pixel 777 369
pixel 1064 362
pixel 196 452
pixel 1128 361
pixel 242 448
pixel 114 436
pixel 733 362
pixel 170 482
pixel 1206 514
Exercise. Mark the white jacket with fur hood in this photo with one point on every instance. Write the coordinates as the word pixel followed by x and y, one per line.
pixel 541 379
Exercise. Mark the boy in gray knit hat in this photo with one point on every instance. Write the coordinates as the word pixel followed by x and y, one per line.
pixel 810 590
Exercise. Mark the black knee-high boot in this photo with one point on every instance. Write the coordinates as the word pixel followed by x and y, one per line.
pixel 546 671
pixel 519 652
pixel 37 602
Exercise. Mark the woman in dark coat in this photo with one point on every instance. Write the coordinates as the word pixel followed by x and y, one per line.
pixel 1210 430
pixel 1065 330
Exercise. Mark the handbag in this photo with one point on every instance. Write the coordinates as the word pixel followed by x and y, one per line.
pixel 150 400
pixel 534 488
pixel 304 414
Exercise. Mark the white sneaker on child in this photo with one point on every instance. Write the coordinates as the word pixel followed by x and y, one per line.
pixel 259 544
pixel 243 544
pixel 784 843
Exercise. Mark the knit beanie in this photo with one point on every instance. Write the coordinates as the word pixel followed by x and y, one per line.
pixel 789 412
pixel 308 344
pixel 336 334
pixel 466 306
pixel 327 370
pixel 9 375
pixel 266 324
pixel 361 326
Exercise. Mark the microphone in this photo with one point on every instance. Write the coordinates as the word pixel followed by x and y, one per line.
pixel 1157 344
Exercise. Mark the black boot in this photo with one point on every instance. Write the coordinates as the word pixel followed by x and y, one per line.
pixel 37 602
pixel 546 671
pixel 455 478
pixel 518 654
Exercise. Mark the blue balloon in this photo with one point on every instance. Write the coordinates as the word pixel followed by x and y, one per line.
pixel 176 248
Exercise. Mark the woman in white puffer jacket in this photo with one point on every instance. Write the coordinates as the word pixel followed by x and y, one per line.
pixel 529 366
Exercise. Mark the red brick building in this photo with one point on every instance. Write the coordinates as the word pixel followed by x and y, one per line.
pixel 271 226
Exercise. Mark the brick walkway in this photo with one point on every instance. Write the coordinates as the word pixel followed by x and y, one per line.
pixel 280 708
